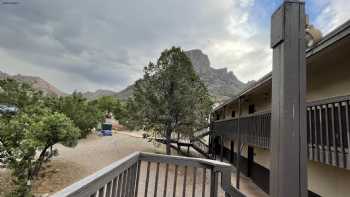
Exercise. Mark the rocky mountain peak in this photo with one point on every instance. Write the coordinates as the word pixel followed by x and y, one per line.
pixel 221 83
pixel 37 83
pixel 200 61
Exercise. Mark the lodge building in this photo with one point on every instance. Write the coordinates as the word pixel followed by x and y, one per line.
pixel 248 115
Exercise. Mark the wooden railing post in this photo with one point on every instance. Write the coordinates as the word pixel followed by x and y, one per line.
pixel 288 177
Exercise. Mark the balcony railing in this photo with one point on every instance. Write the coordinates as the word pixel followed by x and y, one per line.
pixel 255 129
pixel 328 131
pixel 145 174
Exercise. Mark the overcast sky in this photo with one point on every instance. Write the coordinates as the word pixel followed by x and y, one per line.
pixel 92 44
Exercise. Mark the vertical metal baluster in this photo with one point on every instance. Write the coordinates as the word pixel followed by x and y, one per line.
pixel 128 181
pixel 260 131
pixel 147 178
pixel 329 154
pixel 317 158
pixel 257 130
pixel 156 181
pixel 137 178
pixel 108 190
pixel 166 179
pixel 269 128
pixel 221 148
pixel 264 128
pixel 114 187
pixel 120 183
pixel 311 152
pixel 267 132
pixel 253 131
pixel 347 133
pixel 185 182
pixel 263 131
pixel 125 182
pixel 175 180
pixel 132 180
pixel 323 160
pixel 213 183
pixel 340 127
pixel 335 148
pixel 93 195
pixel 194 182
pixel 231 151
pixel 101 191
pixel 204 180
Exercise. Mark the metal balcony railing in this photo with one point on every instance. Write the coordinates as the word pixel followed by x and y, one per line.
pixel 328 131
pixel 146 174
pixel 255 129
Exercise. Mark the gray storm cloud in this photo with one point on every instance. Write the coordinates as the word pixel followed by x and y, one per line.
pixel 89 44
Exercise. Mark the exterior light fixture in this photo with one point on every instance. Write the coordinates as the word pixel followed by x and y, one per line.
pixel 312 34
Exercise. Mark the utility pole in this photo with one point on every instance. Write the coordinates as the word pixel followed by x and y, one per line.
pixel 288 177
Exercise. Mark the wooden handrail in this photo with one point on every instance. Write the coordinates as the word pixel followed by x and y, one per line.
pixel 122 177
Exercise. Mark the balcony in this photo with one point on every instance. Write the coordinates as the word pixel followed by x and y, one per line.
pixel 255 129
pixel 328 130
pixel 146 174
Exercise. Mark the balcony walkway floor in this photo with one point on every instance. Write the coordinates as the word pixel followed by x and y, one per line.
pixel 248 187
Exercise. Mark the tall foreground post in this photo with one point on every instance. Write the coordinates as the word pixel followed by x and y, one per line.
pixel 288 176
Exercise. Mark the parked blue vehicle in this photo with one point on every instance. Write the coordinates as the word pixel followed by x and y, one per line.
pixel 106 129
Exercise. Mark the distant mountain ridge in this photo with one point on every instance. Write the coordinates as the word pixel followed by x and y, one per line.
pixel 222 84
pixel 37 83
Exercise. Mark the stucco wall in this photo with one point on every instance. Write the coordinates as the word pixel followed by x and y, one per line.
pixel 328 181
pixel 260 101
pixel 325 80
pixel 229 108
pixel 262 157
pixel 325 180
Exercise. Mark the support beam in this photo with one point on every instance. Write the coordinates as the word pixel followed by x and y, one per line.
pixel 221 148
pixel 238 174
pixel 288 125
pixel 232 150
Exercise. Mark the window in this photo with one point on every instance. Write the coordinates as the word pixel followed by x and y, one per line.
pixel 233 114
pixel 251 109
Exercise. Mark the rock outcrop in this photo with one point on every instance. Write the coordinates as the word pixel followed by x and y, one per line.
pixel 37 83
pixel 221 83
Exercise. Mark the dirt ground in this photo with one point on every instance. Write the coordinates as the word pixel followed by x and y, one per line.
pixel 95 153
pixel 73 164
